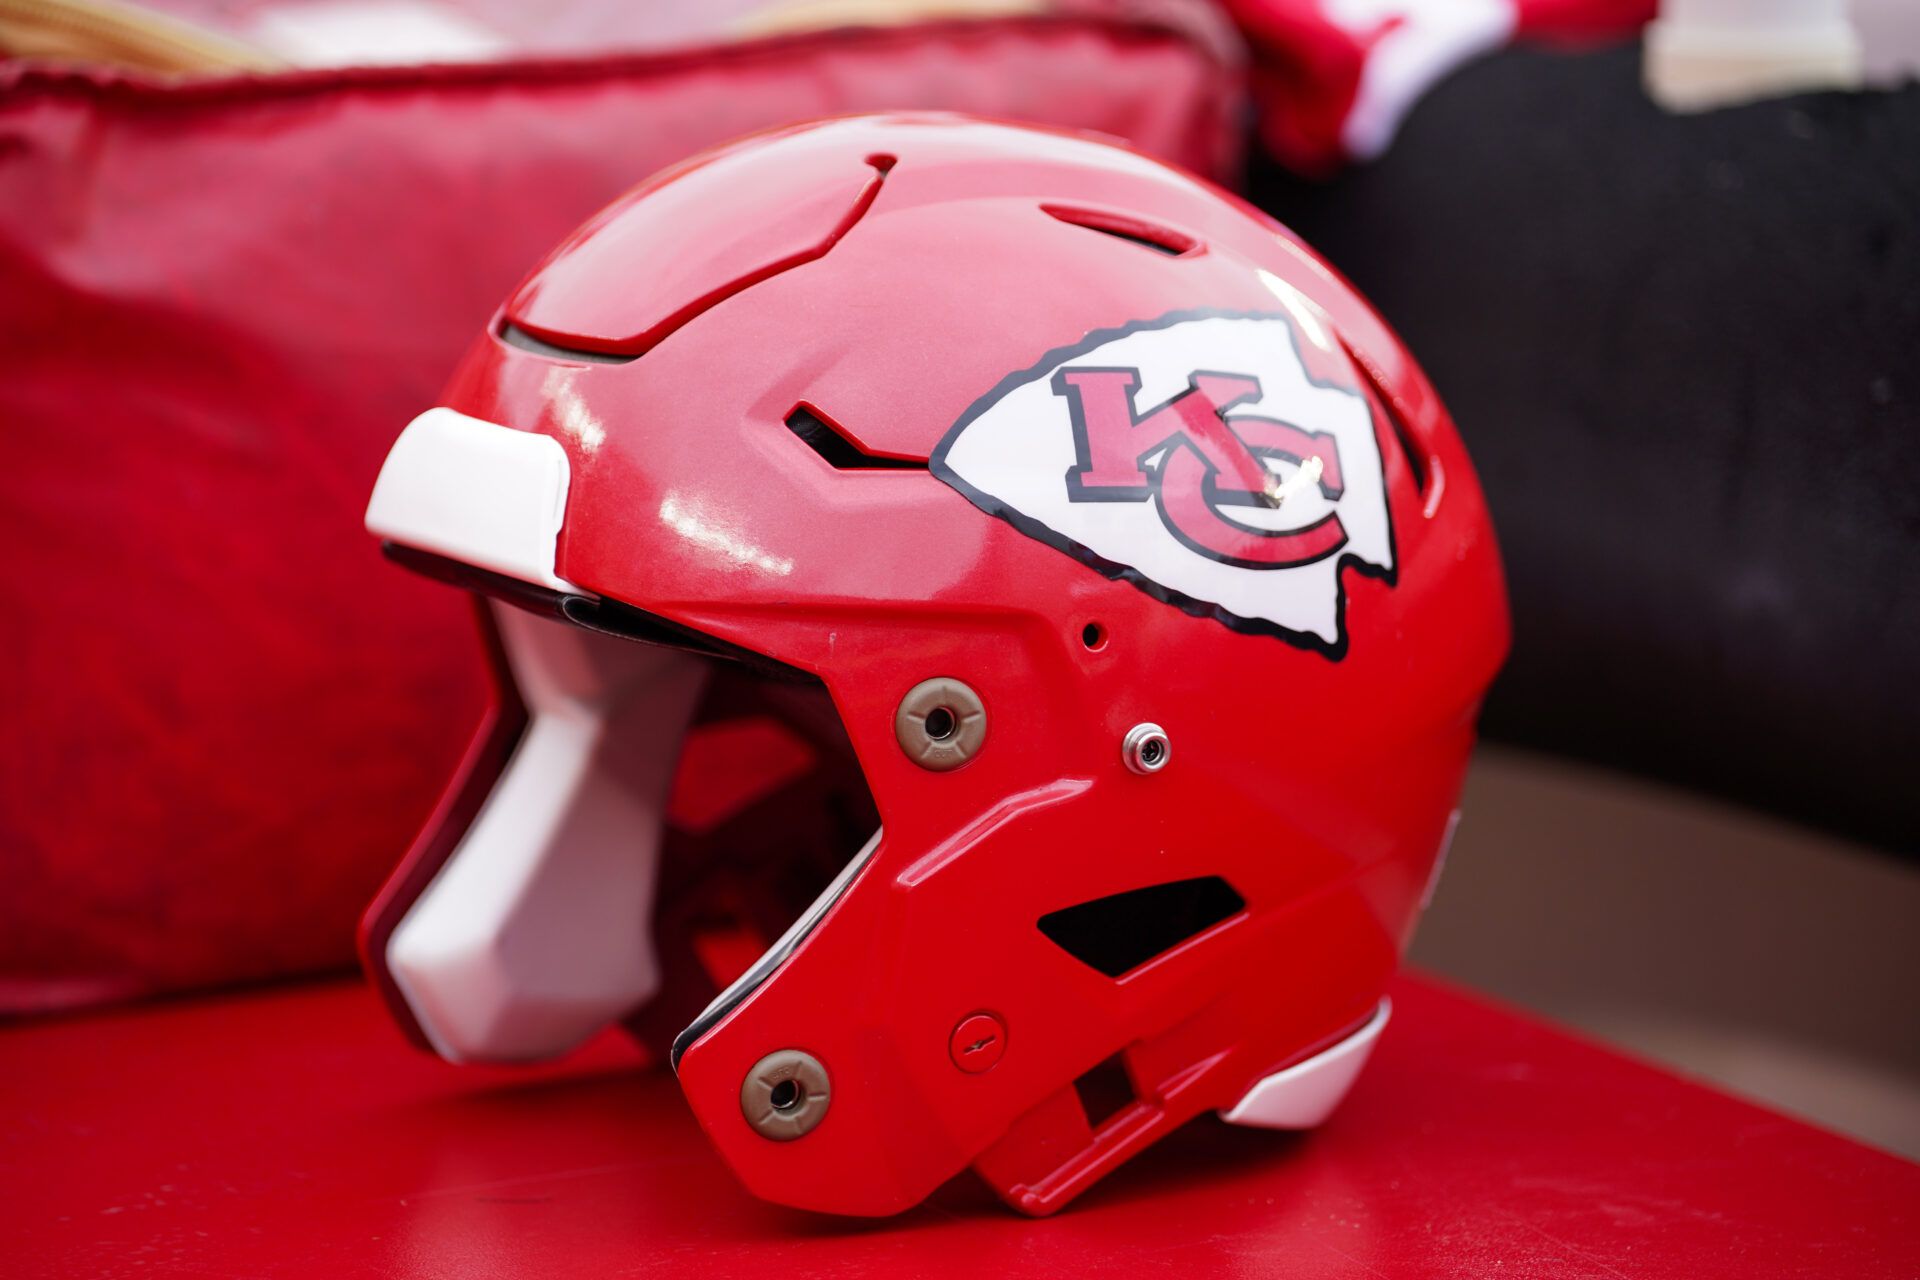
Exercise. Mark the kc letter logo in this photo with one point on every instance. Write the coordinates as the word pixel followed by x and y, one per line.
pixel 1198 457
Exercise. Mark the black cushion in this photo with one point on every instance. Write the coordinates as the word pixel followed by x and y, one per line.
pixel 1685 353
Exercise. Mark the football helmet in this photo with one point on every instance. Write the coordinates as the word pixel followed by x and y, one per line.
pixel 1116 579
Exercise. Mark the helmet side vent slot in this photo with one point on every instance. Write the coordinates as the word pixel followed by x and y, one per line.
pixel 1119 933
pixel 1105 1091
pixel 841 451
pixel 1419 462
pixel 1411 451
pixel 514 336
pixel 1121 226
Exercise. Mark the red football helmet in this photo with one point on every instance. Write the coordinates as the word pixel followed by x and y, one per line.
pixel 1117 579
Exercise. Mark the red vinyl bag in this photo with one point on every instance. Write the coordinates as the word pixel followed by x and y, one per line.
pixel 221 299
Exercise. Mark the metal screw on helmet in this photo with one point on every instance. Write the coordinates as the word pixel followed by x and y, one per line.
pixel 941 724
pixel 785 1095
pixel 1146 749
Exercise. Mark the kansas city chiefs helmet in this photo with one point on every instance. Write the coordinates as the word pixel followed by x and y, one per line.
pixel 1114 584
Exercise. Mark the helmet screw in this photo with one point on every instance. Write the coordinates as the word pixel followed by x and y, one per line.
pixel 941 724
pixel 1146 749
pixel 785 1095
pixel 977 1043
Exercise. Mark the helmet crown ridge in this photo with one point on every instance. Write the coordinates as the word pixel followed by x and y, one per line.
pixel 757 220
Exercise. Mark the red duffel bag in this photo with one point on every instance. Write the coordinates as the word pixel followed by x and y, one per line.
pixel 220 298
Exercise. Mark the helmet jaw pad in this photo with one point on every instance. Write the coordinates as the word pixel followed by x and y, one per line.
pixel 535 933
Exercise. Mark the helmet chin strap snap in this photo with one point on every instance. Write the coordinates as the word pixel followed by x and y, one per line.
pixel 785 1095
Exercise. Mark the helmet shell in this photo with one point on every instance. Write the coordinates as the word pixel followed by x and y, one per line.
pixel 931 298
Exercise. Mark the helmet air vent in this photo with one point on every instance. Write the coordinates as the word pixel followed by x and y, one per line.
pixel 1122 226
pixel 841 451
pixel 514 336
pixel 1119 933
pixel 1105 1091
pixel 1421 464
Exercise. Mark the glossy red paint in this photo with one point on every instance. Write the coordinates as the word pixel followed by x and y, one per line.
pixel 291 1134
pixel 1316 775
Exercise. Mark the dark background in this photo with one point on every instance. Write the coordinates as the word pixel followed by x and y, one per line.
pixel 1685 354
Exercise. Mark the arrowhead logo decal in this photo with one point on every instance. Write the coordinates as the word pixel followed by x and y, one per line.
pixel 1197 456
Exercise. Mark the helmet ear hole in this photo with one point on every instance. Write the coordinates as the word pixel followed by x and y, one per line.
pixel 1122 931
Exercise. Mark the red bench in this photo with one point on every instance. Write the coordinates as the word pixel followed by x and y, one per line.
pixel 291 1133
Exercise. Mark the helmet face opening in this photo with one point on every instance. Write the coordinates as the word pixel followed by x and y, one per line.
pixel 660 792
pixel 1073 591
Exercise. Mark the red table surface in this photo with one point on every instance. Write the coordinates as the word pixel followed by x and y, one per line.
pixel 292 1133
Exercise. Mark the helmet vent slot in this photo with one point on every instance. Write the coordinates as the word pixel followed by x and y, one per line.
pixel 1411 451
pixel 1119 933
pixel 1105 1091
pixel 840 450
pixel 514 336
pixel 1122 226
pixel 1418 462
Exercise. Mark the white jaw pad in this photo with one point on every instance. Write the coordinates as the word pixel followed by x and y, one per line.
pixel 1305 1094
pixel 537 931
pixel 476 492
